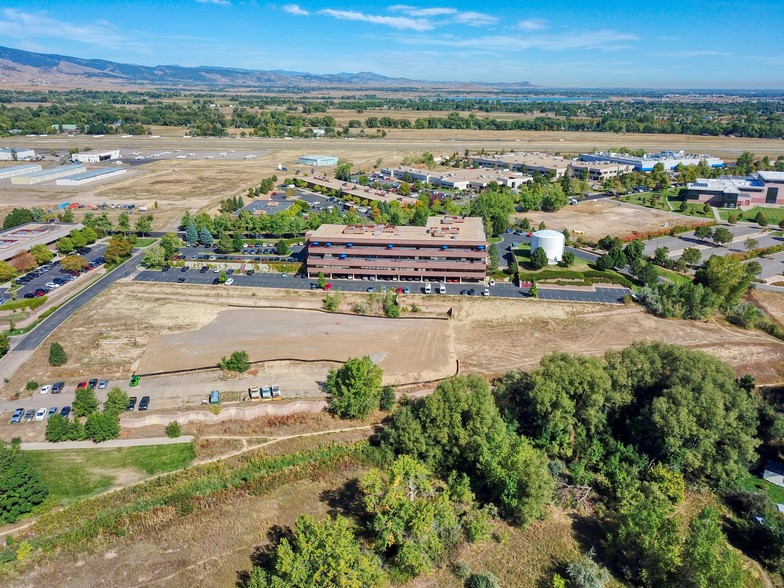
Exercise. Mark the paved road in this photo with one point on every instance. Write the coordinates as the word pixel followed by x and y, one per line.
pixel 112 444
pixel 507 239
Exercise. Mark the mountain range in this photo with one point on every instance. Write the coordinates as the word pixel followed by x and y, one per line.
pixel 25 68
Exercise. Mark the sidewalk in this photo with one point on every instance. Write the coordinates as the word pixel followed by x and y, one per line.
pixel 113 444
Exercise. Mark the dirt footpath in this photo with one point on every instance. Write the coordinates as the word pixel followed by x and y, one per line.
pixel 407 350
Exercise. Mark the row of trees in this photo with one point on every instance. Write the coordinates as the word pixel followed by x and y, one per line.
pixel 98 426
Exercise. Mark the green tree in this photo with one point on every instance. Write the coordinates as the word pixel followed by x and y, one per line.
pixel 586 573
pixel 117 250
pixel 191 235
pixel 343 171
pixel 85 402
pixel 173 430
pixel 732 219
pixel 238 361
pixel 387 401
pixel 605 262
pixel 5 344
pixel 494 208
pixel 322 280
pixel 691 256
pixel 320 555
pixel 154 256
pixel 726 277
pixel 22 489
pixel 722 236
pixel 124 223
pixel 354 388
pixel 661 256
pixel 73 263
pixel 41 253
pixel 57 429
pixel 18 216
pixel 483 580
pixel 116 401
pixel 225 244
pixel 57 355
pixel 78 239
pixel 7 272
pixel 761 219
pixel 703 232
pixel 65 245
pixel 205 237
pixel 144 224
pixel 67 216
pixel 707 559
pixel 102 426
pixel 539 258
pixel 170 243
pixel 282 248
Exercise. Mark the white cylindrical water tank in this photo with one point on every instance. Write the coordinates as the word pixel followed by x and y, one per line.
pixel 551 241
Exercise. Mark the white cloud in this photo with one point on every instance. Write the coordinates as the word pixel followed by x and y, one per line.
pixel 396 22
pixel 453 15
pixel 532 24
pixel 294 9
pixel 413 11
pixel 601 40
pixel 474 19
pixel 216 2
pixel 38 25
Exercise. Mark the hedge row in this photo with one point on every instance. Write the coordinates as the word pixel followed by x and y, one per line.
pixel 588 277
pixel 31 303
pixel 759 252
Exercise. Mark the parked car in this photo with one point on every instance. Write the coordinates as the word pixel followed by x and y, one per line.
pixel 40 414
pixel 131 404
pixel 29 415
pixel 57 387
pixel 52 412
pixel 250 272
pixel 184 268
pixel 229 282
pixel 46 389
pixel 93 383
pixel 144 403
pixel 165 268
pixel 102 384
pixel 17 416
pixel 486 292
pixel 65 411
pixel 134 381
pixel 328 287
pixel 81 385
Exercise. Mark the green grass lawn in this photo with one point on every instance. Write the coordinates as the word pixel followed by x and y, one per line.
pixel 71 475
pixel 644 199
pixel 774 215
pixel 145 241
pixel 775 493
pixel 674 277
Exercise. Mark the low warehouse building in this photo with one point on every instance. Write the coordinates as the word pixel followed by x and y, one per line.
pixel 318 160
pixel 16 153
pixel 19 170
pixel 552 242
pixel 24 237
pixel 95 157
pixel 91 176
pixel 47 175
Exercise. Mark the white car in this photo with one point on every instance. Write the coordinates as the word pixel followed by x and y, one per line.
pixel 41 414
pixel 216 270
pixel 229 282
pixel 46 389
pixel 486 292
pixel 52 285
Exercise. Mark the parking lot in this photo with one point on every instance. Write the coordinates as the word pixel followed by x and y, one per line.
pixel 50 272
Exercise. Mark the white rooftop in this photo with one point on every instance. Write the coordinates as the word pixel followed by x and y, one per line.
pixel 771 176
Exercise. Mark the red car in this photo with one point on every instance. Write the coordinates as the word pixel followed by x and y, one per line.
pixel 328 286
pixel 81 385
pixel 38 293
pixel 399 291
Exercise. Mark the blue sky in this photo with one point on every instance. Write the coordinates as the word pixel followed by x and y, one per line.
pixel 557 43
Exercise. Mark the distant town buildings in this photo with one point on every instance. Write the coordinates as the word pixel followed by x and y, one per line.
pixel 318 160
pixel 458 179
pixel 95 157
pixel 645 163
pixel 16 153
pixel 764 187
pixel 446 249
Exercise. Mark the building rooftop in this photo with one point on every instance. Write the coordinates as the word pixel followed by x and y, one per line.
pixel 22 238
pixel 527 158
pixel 50 170
pixel 95 172
pixel 648 157
pixel 439 229
pixel 771 176
pixel 726 184
pixel 471 175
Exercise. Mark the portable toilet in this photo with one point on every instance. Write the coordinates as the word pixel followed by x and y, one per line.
pixel 215 397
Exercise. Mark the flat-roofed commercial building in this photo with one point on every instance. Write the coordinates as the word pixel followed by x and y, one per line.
pixel 669 159
pixel 459 179
pixel 96 157
pixel 760 188
pixel 598 171
pixel 18 170
pixel 526 162
pixel 318 160
pixel 446 249
pixel 46 175
pixel 16 153
pixel 23 237
pixel 91 176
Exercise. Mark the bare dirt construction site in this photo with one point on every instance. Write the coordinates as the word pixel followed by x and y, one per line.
pixel 594 219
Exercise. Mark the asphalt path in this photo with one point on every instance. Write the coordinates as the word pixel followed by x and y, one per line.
pixel 37 336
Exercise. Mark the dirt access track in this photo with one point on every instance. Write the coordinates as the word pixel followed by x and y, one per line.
pixel 407 350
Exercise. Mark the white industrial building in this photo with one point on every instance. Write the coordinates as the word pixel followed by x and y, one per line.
pixel 18 170
pixel 318 160
pixel 47 175
pixel 669 159
pixel 552 242
pixel 547 164
pixel 459 179
pixel 91 176
pixel 95 157
pixel 16 153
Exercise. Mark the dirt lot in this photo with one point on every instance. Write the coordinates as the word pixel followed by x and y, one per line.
pixel 410 350
pixel 771 302
pixel 597 218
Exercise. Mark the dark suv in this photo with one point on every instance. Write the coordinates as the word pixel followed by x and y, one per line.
pixel 144 403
